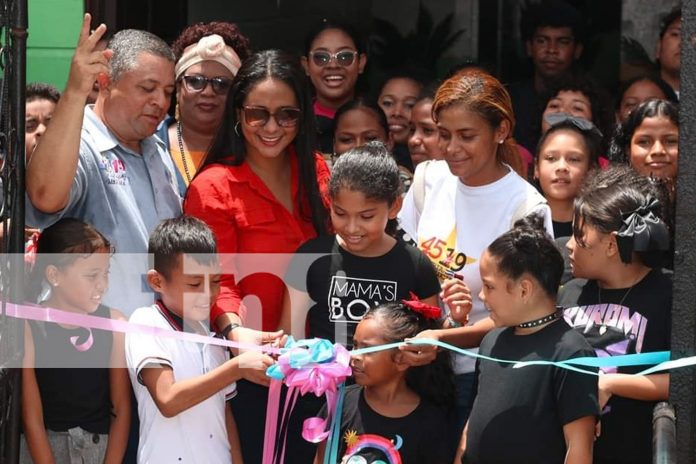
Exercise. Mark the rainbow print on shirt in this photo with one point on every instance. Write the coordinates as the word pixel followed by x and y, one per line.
pixel 371 449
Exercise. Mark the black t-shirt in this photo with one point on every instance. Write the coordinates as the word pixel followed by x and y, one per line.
pixel 562 229
pixel 417 438
pixel 78 394
pixel 519 414
pixel 561 243
pixel 617 322
pixel 344 286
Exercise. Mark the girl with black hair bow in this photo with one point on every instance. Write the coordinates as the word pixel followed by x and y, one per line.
pixel 619 241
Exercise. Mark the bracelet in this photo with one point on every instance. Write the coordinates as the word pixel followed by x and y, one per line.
pixel 226 331
pixel 452 323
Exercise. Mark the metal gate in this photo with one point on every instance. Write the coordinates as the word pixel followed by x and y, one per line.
pixel 13 33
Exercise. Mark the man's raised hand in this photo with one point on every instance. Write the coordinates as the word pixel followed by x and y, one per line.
pixel 89 61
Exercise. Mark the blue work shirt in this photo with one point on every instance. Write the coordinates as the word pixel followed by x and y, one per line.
pixel 124 195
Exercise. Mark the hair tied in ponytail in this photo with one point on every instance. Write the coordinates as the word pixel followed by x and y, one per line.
pixel 425 310
pixel 642 230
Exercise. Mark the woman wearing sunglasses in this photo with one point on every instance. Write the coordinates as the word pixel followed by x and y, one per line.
pixel 334 58
pixel 261 190
pixel 208 57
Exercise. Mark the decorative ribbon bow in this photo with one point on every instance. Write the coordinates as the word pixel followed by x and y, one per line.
pixel 642 230
pixel 315 366
pixel 424 309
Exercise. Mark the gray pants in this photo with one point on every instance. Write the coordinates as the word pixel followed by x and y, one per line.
pixel 76 446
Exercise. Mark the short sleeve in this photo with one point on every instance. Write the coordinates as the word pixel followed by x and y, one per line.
pixel 143 349
pixel 576 393
pixel 426 276
pixel 41 220
pixel 323 176
pixel 408 215
pixel 545 212
pixel 306 257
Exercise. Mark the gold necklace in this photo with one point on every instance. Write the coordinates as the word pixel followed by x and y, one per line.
pixel 181 150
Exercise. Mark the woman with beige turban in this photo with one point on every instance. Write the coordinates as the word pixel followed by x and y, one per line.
pixel 208 57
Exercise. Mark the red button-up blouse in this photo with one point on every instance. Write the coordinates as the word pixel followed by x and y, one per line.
pixel 247 218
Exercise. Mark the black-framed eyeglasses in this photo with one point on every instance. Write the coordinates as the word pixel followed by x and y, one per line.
pixel 581 123
pixel 343 58
pixel 258 116
pixel 197 83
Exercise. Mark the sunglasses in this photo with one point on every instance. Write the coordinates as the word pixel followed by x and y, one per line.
pixel 344 58
pixel 258 116
pixel 196 83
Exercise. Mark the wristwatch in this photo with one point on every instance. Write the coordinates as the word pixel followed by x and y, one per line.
pixel 226 331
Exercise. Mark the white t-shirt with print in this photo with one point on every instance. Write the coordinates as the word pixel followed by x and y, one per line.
pixel 458 223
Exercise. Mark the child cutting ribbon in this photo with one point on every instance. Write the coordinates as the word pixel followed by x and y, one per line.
pixel 395 413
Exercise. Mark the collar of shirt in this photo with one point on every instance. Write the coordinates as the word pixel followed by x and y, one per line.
pixel 244 173
pixel 321 110
pixel 105 140
pixel 176 321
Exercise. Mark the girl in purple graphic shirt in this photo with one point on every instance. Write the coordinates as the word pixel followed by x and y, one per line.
pixel 619 241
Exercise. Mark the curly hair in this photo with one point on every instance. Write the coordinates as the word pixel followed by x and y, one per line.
pixel 602 116
pixel 229 32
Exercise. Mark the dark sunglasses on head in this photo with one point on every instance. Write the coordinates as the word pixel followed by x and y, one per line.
pixel 343 58
pixel 258 116
pixel 196 83
pixel 581 123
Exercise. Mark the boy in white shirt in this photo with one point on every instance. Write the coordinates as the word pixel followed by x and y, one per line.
pixel 181 386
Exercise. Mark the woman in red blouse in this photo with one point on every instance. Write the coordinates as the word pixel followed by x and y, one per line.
pixel 260 190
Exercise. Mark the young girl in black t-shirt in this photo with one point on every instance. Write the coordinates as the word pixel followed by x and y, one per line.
pixel 362 265
pixel 396 413
pixel 75 387
pixel 566 154
pixel 619 241
pixel 540 413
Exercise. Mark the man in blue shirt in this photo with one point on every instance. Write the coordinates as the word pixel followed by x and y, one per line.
pixel 102 164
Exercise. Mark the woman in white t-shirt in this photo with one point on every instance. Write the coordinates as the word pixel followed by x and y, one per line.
pixel 458 206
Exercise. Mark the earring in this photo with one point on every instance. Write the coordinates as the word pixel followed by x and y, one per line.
pixel 177 114
pixel 54 284
pixel 236 129
pixel 501 141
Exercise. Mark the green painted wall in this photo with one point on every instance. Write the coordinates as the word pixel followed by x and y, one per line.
pixel 54 26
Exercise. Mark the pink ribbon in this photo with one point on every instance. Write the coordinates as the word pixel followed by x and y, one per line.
pixel 84 346
pixel 308 366
pixel 88 321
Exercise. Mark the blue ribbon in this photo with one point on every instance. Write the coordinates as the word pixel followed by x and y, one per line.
pixel 661 358
pixel 318 351
pixel 331 452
